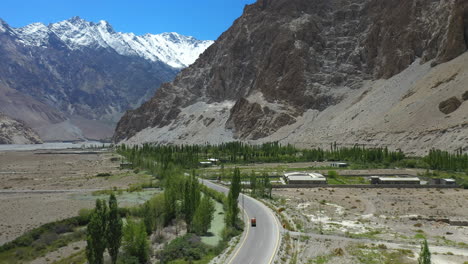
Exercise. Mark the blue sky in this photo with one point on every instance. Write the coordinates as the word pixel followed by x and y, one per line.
pixel 203 19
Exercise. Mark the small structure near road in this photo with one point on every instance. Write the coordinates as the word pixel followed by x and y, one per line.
pixel 444 182
pixel 304 178
pixel 339 164
pixel 205 163
pixel 213 160
pixel 395 180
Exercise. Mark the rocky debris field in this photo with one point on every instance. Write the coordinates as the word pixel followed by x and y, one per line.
pixel 340 225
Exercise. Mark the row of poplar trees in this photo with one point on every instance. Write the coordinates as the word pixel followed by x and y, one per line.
pixel 188 156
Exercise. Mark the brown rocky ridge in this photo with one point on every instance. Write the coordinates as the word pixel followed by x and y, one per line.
pixel 310 72
pixel 16 132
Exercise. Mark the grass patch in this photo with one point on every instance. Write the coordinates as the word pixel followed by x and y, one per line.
pixel 122 196
pixel 379 254
pixel 370 234
pixel 320 259
pixel 76 258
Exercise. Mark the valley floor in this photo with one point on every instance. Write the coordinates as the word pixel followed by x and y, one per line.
pixel 37 187
pixel 376 225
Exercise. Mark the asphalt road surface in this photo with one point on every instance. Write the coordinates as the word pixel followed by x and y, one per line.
pixel 259 244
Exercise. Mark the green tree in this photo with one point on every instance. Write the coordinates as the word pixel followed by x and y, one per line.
pixel 268 186
pixel 191 199
pixel 135 242
pixel 253 182
pixel 96 234
pixel 203 216
pixel 425 255
pixel 233 195
pixel 148 217
pixel 114 234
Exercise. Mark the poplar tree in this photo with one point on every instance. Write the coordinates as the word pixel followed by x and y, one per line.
pixel 135 241
pixel 203 216
pixel 114 234
pixel 233 209
pixel 96 234
pixel 191 199
pixel 425 255
pixel 253 182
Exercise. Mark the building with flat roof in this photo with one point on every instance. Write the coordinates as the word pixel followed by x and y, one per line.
pixel 304 178
pixel 395 180
pixel 439 181
pixel 339 164
pixel 205 163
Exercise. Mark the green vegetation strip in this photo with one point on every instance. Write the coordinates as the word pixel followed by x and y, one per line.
pixel 44 239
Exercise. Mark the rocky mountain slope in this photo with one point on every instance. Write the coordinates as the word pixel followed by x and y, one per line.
pixel 74 79
pixel 312 72
pixel 16 132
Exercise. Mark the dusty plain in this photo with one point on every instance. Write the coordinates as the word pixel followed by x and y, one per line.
pixel 41 186
pixel 354 225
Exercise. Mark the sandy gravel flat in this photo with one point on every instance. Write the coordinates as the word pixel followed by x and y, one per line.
pixel 37 187
pixel 352 216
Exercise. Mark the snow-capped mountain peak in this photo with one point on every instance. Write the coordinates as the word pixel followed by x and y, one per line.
pixel 35 34
pixel 174 49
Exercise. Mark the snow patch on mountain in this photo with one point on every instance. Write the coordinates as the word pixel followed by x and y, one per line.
pixel 35 34
pixel 176 50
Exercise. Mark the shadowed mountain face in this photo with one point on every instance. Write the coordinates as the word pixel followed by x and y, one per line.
pixel 74 79
pixel 283 58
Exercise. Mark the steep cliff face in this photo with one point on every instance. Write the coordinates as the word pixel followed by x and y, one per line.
pixel 284 58
pixel 84 74
pixel 16 132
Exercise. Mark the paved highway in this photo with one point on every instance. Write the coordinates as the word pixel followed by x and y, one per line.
pixel 259 244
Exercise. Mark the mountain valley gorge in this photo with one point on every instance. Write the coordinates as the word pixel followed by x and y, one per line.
pixel 309 73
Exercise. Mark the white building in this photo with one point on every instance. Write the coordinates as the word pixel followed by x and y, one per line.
pixel 304 178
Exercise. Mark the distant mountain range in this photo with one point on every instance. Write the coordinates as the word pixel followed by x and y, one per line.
pixel 74 79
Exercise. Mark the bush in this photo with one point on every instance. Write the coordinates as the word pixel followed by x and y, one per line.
pixel 103 174
pixel 135 242
pixel 83 215
pixel 61 228
pixel 42 236
pixel 188 247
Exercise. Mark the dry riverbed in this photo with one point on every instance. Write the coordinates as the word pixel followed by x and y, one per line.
pixel 376 225
pixel 37 187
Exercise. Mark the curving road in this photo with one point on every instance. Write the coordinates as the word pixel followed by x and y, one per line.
pixel 259 244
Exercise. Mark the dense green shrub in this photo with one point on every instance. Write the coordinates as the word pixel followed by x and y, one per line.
pixel 188 247
pixel 135 242
pixel 103 174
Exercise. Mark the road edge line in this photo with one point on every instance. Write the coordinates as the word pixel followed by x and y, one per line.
pixel 277 235
pixel 245 235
